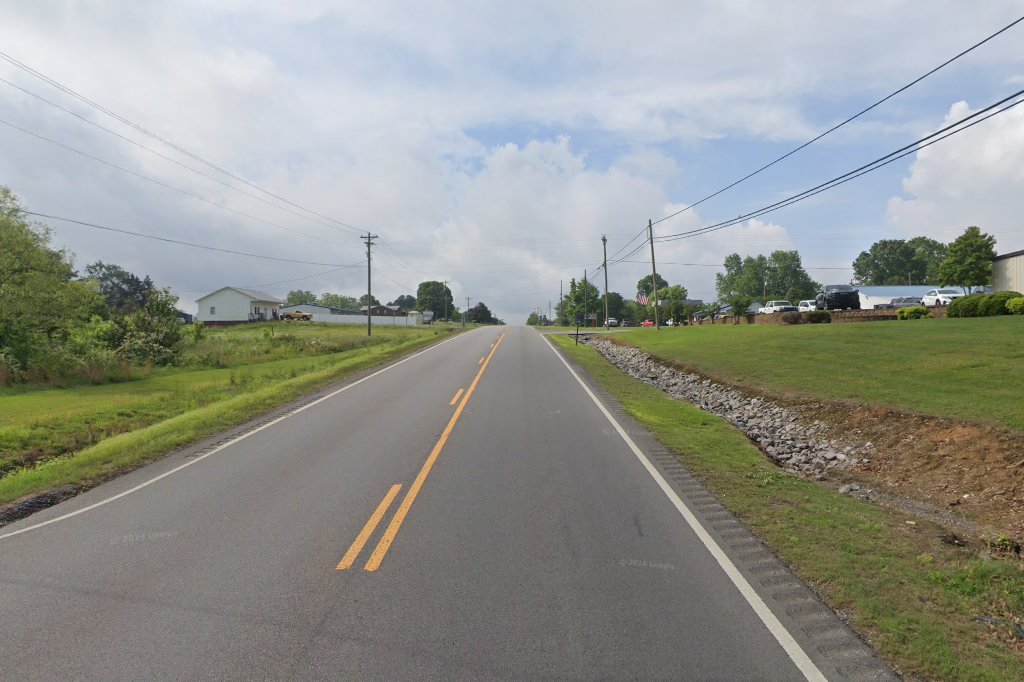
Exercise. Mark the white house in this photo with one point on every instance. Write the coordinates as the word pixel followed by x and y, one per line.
pixel 233 304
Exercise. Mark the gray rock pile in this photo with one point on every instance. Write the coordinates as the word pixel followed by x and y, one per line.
pixel 793 445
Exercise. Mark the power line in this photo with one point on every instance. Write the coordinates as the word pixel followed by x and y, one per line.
pixel 161 183
pixel 82 98
pixel 880 162
pixel 848 120
pixel 165 156
pixel 184 243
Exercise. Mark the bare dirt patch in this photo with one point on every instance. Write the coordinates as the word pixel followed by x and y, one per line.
pixel 968 470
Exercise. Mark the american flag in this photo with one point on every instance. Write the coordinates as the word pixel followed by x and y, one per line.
pixel 641 298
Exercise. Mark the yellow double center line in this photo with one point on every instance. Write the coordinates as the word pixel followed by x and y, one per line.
pixel 388 538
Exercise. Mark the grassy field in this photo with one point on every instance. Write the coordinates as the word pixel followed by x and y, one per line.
pixel 912 596
pixel 971 368
pixel 54 436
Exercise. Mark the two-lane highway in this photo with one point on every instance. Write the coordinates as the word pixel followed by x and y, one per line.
pixel 469 513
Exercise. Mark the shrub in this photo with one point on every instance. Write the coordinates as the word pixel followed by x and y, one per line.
pixel 10 368
pixel 791 317
pixel 819 316
pixel 995 303
pixel 966 306
pixel 1016 306
pixel 913 313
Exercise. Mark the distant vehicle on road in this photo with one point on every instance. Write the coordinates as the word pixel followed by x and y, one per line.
pixel 777 307
pixel 612 322
pixel 941 296
pixel 807 306
pixel 838 297
pixel 899 302
pixel 297 315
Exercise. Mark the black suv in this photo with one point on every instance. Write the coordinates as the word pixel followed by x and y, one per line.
pixel 838 297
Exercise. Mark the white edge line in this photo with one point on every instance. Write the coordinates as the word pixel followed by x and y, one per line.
pixel 770 620
pixel 222 446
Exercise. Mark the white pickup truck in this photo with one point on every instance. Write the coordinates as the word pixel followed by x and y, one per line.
pixel 776 307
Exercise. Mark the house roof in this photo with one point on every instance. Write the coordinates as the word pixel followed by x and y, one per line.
pixel 253 294
pixel 1014 254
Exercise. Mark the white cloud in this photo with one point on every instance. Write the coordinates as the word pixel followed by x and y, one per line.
pixel 974 178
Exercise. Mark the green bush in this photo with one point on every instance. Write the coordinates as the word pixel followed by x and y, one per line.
pixel 791 317
pixel 913 313
pixel 995 303
pixel 10 368
pixel 819 316
pixel 1016 306
pixel 967 306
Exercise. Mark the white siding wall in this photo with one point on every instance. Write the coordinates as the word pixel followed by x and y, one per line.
pixel 230 305
pixel 378 320
pixel 1008 274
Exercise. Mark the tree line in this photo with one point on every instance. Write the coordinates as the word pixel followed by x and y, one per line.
pixel 58 325
pixel 431 296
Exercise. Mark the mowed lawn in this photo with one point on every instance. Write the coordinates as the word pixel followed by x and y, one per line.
pixel 969 368
pixel 37 424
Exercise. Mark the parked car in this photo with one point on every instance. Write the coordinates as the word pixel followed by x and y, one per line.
pixel 777 307
pixel 838 297
pixel 899 302
pixel 807 306
pixel 647 323
pixel 612 322
pixel 941 296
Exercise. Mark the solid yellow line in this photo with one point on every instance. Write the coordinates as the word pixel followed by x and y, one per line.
pixel 367 531
pixel 456 398
pixel 403 509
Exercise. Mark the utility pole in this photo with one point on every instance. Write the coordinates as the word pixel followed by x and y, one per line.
pixel 369 295
pixel 604 246
pixel 444 295
pixel 465 313
pixel 654 272
pixel 560 295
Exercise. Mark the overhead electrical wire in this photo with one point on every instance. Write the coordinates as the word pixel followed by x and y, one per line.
pixel 82 98
pixel 922 143
pixel 848 120
pixel 163 184
pixel 192 244
pixel 166 157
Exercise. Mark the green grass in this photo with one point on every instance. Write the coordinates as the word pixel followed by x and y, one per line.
pixel 77 434
pixel 913 597
pixel 911 365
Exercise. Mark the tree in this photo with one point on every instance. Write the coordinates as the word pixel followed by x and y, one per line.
pixel 889 261
pixel 778 276
pixel 969 263
pixel 338 301
pixel 41 301
pixel 646 285
pixel 298 297
pixel 532 319
pixel 931 253
pixel 615 304
pixel 479 314
pixel 738 303
pixel 434 296
pixel 405 301
pixel 123 292
pixel 372 300
pixel 675 300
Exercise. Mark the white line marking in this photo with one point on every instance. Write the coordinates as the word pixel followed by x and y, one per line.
pixel 224 446
pixel 778 630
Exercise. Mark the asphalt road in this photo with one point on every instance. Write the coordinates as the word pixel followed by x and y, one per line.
pixel 526 540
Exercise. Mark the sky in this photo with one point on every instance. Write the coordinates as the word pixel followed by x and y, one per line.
pixel 491 145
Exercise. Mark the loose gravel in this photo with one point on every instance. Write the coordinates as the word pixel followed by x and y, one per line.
pixel 792 444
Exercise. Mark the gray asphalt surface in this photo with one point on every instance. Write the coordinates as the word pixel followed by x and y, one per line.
pixel 538 547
